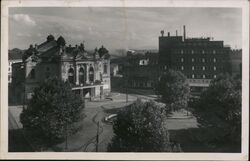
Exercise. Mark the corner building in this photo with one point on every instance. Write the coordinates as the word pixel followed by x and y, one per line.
pixel 200 59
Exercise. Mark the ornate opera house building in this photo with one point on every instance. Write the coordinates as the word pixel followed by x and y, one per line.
pixel 88 73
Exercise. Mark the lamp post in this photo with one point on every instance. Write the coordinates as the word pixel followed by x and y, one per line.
pixel 66 137
pixel 23 84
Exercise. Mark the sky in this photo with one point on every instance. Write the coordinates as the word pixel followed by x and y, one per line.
pixel 121 28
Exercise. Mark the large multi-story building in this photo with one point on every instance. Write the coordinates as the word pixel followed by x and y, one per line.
pixel 88 73
pixel 200 59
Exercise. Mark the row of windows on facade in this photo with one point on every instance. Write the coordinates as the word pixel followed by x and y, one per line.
pixel 200 43
pixel 147 62
pixel 201 76
pixel 71 75
pixel 209 68
pixel 144 84
pixel 200 51
pixel 203 60
pixel 200 80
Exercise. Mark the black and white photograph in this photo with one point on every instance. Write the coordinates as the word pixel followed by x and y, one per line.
pixel 151 79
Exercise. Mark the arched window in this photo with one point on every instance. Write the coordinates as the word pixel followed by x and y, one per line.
pixel 81 76
pixel 71 75
pixel 32 74
pixel 106 68
pixel 91 74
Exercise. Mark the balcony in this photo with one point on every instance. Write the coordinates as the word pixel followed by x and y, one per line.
pixel 87 85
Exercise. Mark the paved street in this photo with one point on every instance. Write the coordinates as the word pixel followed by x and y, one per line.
pixel 95 111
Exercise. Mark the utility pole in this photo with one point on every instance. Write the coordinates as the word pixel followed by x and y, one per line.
pixel 97 137
pixel 24 100
pixel 126 85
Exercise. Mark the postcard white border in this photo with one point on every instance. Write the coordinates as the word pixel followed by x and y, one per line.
pixel 243 4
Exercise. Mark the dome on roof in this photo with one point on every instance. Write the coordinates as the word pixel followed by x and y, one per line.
pixel 102 51
pixel 50 38
pixel 61 41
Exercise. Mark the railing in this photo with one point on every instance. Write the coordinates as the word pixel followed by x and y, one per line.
pixel 86 85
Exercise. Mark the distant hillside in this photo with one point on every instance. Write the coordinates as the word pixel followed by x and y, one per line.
pixel 120 53
pixel 15 54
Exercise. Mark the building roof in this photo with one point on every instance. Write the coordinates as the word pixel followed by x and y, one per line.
pixel 46 45
pixel 52 49
pixel 51 52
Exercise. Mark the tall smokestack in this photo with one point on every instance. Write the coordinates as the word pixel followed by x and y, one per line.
pixel 184 32
pixel 168 34
pixel 176 32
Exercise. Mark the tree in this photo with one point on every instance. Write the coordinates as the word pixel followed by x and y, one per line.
pixel 141 127
pixel 51 112
pixel 174 89
pixel 218 110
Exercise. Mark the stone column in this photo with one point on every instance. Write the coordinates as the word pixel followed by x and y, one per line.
pixel 87 73
pixel 77 75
